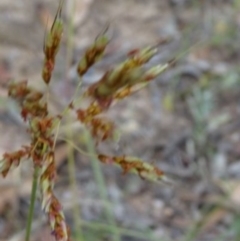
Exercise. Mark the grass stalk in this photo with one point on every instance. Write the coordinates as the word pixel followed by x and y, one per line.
pixel 71 162
pixel 73 184
pixel 32 203
pixel 101 185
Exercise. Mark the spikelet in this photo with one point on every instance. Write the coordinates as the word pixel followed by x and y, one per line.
pixel 51 45
pixel 93 54
pixel 87 115
pixel 141 82
pixel 29 99
pixel 12 159
pixel 18 91
pixel 100 128
pixel 153 72
pixel 130 164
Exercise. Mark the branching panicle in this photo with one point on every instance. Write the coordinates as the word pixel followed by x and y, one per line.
pixel 117 83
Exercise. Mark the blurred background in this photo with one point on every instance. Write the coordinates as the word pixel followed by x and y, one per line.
pixel 187 122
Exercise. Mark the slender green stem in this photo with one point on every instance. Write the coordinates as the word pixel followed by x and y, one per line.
pixel 71 161
pixel 74 188
pixel 73 184
pixel 32 203
pixel 96 226
pixel 101 185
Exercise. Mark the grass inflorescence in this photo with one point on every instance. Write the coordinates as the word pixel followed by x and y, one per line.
pixel 117 83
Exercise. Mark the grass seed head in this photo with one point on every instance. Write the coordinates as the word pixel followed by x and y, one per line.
pixel 142 56
pixel 51 45
pixel 93 54
pixel 12 159
pixel 50 203
pixel 130 164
